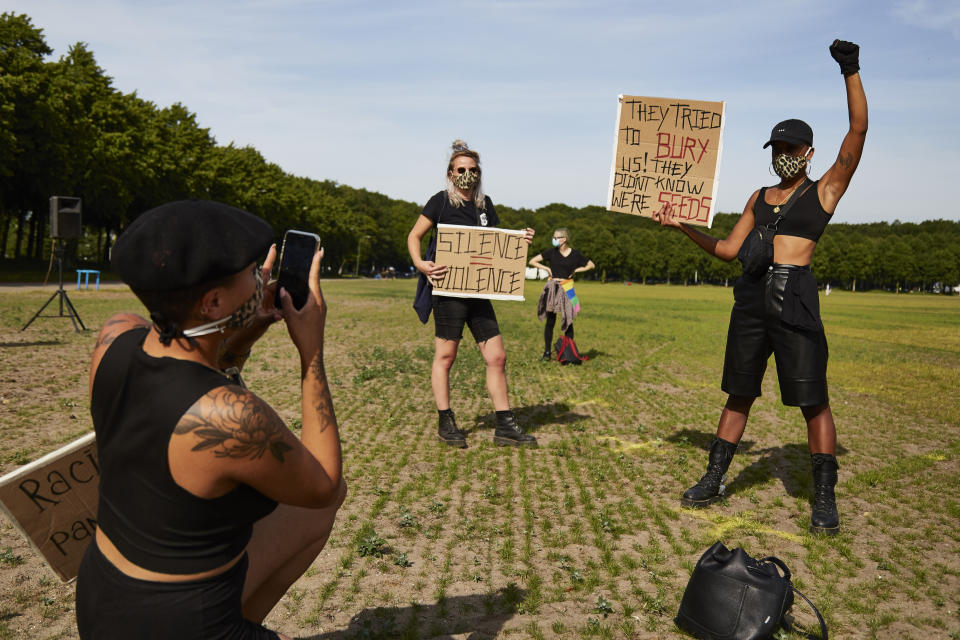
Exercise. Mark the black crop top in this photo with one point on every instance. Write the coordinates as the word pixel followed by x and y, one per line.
pixel 137 401
pixel 805 219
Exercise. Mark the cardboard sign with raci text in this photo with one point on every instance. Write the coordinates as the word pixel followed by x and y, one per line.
pixel 53 501
pixel 482 262
pixel 667 150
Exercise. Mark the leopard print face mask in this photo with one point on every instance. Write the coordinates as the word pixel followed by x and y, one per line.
pixel 467 179
pixel 242 317
pixel 787 166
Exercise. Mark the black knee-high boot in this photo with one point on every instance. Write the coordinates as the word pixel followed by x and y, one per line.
pixel 824 518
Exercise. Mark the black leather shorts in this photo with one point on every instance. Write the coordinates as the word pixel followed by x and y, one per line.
pixel 779 313
pixel 450 314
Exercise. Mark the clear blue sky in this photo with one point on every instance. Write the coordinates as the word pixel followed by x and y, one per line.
pixel 372 93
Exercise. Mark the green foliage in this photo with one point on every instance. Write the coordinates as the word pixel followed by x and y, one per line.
pixel 65 129
pixel 9 558
pixel 371 545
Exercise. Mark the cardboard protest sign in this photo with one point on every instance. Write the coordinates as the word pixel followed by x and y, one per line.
pixel 53 501
pixel 483 262
pixel 666 150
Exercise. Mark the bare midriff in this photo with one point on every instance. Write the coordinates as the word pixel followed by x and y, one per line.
pixel 792 250
pixel 117 559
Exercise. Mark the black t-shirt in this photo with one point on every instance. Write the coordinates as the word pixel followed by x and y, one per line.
pixel 560 266
pixel 439 207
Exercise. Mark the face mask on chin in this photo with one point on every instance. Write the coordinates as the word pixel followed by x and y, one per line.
pixel 242 317
pixel 787 166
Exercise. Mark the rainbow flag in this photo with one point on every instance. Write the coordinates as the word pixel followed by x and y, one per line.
pixel 568 289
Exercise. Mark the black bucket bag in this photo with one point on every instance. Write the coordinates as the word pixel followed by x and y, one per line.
pixel 732 596
pixel 756 252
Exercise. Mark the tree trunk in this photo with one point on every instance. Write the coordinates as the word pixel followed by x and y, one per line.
pixel 4 234
pixel 107 246
pixel 41 235
pixel 31 235
pixel 19 240
pixel 854 288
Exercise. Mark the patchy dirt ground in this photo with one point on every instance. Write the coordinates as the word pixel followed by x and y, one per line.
pixel 583 536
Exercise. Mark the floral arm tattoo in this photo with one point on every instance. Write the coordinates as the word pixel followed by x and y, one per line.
pixel 235 424
pixel 324 404
pixel 117 326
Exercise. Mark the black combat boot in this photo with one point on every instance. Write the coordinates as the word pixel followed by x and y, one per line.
pixel 546 357
pixel 448 432
pixel 508 432
pixel 824 518
pixel 711 488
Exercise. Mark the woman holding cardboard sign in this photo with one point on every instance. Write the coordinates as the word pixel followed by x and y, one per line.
pixel 463 203
pixel 776 308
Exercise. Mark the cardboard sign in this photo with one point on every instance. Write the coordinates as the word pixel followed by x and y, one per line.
pixel 666 150
pixel 53 501
pixel 484 262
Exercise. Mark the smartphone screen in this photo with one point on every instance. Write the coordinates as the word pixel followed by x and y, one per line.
pixel 296 255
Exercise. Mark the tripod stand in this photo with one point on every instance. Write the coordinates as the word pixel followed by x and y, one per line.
pixel 71 312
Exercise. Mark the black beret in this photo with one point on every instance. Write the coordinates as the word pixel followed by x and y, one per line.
pixel 189 242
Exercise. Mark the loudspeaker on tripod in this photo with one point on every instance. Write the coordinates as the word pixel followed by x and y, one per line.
pixel 65 217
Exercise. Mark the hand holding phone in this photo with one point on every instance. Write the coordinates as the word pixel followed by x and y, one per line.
pixel 296 255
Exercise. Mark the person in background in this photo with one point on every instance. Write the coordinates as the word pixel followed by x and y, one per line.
pixel 210 507
pixel 563 261
pixel 778 311
pixel 463 202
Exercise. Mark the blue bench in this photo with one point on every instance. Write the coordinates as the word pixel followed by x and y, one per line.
pixel 86 278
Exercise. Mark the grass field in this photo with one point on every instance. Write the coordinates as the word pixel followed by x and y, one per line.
pixel 583 537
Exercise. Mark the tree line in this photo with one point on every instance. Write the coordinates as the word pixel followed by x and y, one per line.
pixel 65 130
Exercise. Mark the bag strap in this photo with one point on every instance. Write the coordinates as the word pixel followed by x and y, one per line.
pixel 786 576
pixel 823 625
pixel 797 194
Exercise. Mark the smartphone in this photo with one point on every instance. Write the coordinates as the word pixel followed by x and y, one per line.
pixel 296 255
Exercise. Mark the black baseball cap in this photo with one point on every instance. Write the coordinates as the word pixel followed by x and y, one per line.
pixel 793 131
pixel 188 242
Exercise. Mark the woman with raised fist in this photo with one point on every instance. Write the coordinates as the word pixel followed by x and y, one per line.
pixel 776 308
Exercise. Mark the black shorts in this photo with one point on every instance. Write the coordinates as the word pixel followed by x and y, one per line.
pixel 111 604
pixel 779 313
pixel 450 314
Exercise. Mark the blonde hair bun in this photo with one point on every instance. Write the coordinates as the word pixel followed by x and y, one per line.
pixel 459 145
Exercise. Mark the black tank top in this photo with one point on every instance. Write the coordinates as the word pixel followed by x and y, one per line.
pixel 137 401
pixel 805 219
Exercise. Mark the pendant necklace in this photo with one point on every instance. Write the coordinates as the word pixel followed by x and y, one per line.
pixel 776 209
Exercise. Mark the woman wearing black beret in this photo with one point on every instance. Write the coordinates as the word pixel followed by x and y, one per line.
pixel 777 310
pixel 210 507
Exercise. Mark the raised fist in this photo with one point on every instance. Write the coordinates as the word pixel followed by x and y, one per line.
pixel 847 55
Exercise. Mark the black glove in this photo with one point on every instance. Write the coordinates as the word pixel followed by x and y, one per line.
pixel 847 56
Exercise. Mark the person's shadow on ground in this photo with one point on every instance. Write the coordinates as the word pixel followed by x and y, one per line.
pixel 478 616
pixel 532 417
pixel 789 463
